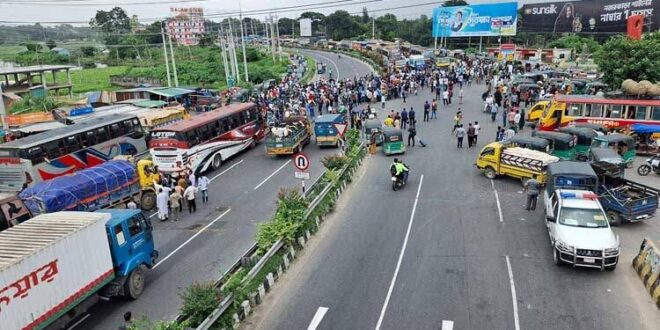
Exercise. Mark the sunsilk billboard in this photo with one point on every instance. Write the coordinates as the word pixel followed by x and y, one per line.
pixel 498 19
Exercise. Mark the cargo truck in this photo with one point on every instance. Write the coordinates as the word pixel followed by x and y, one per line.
pixel 497 159
pixel 289 138
pixel 57 265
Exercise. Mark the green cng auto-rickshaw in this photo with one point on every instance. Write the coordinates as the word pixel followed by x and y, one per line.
pixel 584 136
pixel 529 142
pixel 562 145
pixel 623 144
pixel 373 129
pixel 393 141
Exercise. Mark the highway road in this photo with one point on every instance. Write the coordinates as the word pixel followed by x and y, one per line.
pixel 451 250
pixel 200 247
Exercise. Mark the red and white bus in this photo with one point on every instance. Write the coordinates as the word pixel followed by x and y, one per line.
pixel 68 149
pixel 204 141
pixel 612 113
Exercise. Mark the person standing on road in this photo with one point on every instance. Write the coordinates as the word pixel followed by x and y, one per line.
pixel 521 122
pixel 175 204
pixel 445 97
pixel 412 132
pixel 382 100
pixel 161 203
pixel 477 128
pixel 532 188
pixel 404 118
pixel 203 185
pixel 411 116
pixel 460 133
pixel 427 107
pixel 516 120
pixel 403 95
pixel 457 120
pixel 189 195
pixel 434 109
pixel 460 96
pixel 470 135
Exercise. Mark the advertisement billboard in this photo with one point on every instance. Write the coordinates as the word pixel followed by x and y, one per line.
pixel 498 19
pixel 305 27
pixel 588 16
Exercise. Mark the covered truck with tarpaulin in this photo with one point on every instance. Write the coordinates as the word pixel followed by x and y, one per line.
pixel 94 188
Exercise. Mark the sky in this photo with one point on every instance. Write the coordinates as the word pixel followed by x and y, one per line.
pixel 79 12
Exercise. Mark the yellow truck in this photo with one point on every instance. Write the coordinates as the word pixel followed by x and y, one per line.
pixel 497 159
pixel 289 138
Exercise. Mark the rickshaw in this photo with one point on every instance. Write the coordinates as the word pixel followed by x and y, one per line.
pixel 373 129
pixel 562 145
pixel 393 141
pixel 529 142
pixel 584 136
pixel 600 129
pixel 623 144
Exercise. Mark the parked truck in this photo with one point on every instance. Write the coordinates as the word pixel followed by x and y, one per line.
pixel 497 159
pixel 57 265
pixel 290 137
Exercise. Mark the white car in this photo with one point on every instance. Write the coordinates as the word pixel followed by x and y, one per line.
pixel 579 231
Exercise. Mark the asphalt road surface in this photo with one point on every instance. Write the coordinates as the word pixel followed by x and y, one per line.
pixel 451 250
pixel 201 246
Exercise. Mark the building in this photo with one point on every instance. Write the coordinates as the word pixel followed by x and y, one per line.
pixel 186 25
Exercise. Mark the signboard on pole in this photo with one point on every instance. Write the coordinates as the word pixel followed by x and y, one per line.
pixel 341 129
pixel 588 16
pixel 498 19
pixel 305 27
pixel 301 162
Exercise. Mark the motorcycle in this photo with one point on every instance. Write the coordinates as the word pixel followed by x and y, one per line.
pixel 652 164
pixel 397 180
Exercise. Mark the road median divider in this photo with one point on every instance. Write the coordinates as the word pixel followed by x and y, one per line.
pixel 647 266
pixel 298 216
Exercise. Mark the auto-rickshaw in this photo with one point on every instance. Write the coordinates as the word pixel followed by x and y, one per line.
pixel 605 155
pixel 600 129
pixel 393 141
pixel 529 142
pixel 373 129
pixel 584 136
pixel 623 144
pixel 562 145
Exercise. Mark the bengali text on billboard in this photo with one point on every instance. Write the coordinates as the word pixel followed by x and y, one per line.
pixel 498 19
pixel 588 16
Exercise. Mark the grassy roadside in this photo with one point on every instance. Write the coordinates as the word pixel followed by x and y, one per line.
pixel 311 69
pixel 87 80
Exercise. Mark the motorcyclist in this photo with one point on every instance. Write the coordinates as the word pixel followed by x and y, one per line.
pixel 400 170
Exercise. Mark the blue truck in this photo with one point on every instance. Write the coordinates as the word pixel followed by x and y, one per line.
pixel 325 130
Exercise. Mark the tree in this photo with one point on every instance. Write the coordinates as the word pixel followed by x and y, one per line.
pixel 207 40
pixel 387 27
pixel 622 58
pixel 51 44
pixel 287 26
pixel 318 20
pixel 454 3
pixel 576 43
pixel 32 47
pixel 365 15
pixel 88 51
pixel 342 25
pixel 114 20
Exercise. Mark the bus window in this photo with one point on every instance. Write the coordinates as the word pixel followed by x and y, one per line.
pixel 192 138
pixel 116 130
pixel 655 114
pixel 575 110
pixel 596 110
pixel 615 111
pixel 72 144
pixel 641 113
pixel 101 135
pixel 243 119
pixel 35 155
pixel 90 137
pixel 51 149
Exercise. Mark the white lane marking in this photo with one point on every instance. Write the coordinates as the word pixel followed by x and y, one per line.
pixel 225 171
pixel 318 317
pixel 191 238
pixel 270 176
pixel 403 251
pixel 497 199
pixel 513 294
pixel 447 325
pixel 153 215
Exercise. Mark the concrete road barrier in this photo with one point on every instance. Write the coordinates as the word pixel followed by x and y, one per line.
pixel 647 266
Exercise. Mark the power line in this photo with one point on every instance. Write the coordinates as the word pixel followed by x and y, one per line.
pixel 62 4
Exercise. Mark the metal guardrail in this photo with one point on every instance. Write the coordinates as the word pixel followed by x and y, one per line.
pixel 276 247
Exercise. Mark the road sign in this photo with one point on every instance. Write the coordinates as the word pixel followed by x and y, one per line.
pixel 301 162
pixel 302 175
pixel 341 128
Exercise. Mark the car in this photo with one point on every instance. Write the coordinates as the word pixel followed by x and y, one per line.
pixel 579 230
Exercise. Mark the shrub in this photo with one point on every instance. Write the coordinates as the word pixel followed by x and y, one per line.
pixel 334 162
pixel 289 219
pixel 199 300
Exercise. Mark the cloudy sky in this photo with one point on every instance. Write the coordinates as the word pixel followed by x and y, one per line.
pixel 80 11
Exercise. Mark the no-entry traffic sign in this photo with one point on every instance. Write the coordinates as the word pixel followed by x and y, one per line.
pixel 301 162
pixel 341 128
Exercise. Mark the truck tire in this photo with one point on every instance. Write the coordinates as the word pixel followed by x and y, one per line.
pixel 217 162
pixel 489 172
pixel 134 284
pixel 148 200
pixel 614 218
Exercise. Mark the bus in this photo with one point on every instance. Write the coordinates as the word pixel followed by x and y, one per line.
pixel 612 113
pixel 204 141
pixel 68 149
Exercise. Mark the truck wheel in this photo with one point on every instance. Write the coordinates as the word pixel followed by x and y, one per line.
pixel 217 162
pixel 556 258
pixel 490 173
pixel 614 218
pixel 610 268
pixel 253 143
pixel 148 200
pixel 134 284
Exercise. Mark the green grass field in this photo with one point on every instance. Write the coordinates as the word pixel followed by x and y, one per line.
pixel 88 80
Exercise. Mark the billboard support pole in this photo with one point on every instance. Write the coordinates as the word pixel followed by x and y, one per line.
pixel 435 47
pixel 481 38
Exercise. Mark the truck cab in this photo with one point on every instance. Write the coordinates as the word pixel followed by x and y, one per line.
pixel 579 230
pixel 130 236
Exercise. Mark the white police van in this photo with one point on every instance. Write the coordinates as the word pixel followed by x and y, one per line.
pixel 579 231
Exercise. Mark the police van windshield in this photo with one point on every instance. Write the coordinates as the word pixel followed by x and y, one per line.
pixel 588 218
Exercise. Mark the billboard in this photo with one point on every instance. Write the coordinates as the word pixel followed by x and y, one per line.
pixel 588 16
pixel 498 19
pixel 305 27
